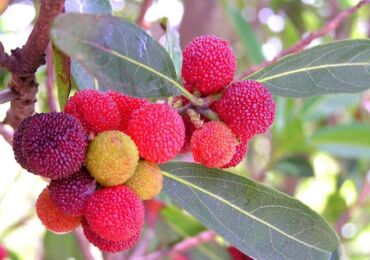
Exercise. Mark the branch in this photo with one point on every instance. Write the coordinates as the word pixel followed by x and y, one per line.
pixel 299 46
pixel 84 244
pixel 7 95
pixel 6 133
pixel 184 246
pixel 143 9
pixel 346 216
pixel 24 62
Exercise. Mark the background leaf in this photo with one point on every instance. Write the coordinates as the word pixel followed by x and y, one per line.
pixel 351 141
pixel 57 246
pixel 297 166
pixel 261 222
pixel 339 67
pixel 173 48
pixel 81 76
pixel 62 66
pixel 118 53
pixel 88 7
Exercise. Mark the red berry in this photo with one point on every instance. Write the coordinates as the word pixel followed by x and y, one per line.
pixel 213 145
pixel 241 151
pixel 54 145
pixel 126 105
pixel 3 253
pixel 96 111
pixel 115 213
pixel 158 131
pixel 237 255
pixel 247 107
pixel 107 245
pixel 71 194
pixel 50 215
pixel 18 141
pixel 209 64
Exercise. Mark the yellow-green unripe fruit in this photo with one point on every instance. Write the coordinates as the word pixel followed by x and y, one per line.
pixel 112 158
pixel 146 181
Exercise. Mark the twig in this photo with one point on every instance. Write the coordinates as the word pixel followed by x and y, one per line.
pixel 184 246
pixel 50 79
pixel 7 95
pixel 6 133
pixel 143 9
pixel 299 46
pixel 346 216
pixel 24 62
pixel 84 244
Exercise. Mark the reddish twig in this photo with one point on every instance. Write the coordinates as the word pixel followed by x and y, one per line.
pixel 143 9
pixel 50 79
pixel 362 197
pixel 184 246
pixel 6 133
pixel 84 244
pixel 24 62
pixel 299 46
pixel 7 95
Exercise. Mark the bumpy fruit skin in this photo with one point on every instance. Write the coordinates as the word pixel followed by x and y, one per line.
pixel 189 130
pixel 96 111
pixel 241 151
pixel 71 194
pixel 54 145
pixel 107 245
pixel 3 253
pixel 126 105
pixel 18 142
pixel 158 132
pixel 146 181
pixel 209 64
pixel 112 158
pixel 247 107
pixel 115 213
pixel 213 145
pixel 52 218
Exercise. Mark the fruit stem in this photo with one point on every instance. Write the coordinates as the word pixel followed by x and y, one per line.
pixel 210 114
pixel 195 118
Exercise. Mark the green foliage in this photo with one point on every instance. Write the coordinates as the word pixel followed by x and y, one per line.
pixel 255 218
pixel 62 76
pixel 295 165
pixel 118 53
pixel 350 141
pixel 61 246
pixel 339 67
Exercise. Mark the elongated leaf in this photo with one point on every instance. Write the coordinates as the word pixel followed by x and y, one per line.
pixel 88 7
pixel 260 221
pixel 297 166
pixel 320 107
pixel 62 76
pixel 83 78
pixel 245 32
pixel 351 141
pixel 57 246
pixel 339 67
pixel 118 53
pixel 173 48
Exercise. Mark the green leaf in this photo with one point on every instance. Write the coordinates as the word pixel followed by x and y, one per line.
pixel 350 141
pixel 260 221
pixel 83 79
pixel 62 76
pixel 339 67
pixel 88 7
pixel 245 32
pixel 118 53
pixel 297 166
pixel 173 48
pixel 316 108
pixel 58 246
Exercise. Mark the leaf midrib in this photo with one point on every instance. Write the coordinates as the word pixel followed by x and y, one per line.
pixel 133 61
pixel 306 69
pixel 240 210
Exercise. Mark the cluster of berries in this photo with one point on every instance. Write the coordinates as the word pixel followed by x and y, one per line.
pixel 245 108
pixel 101 155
